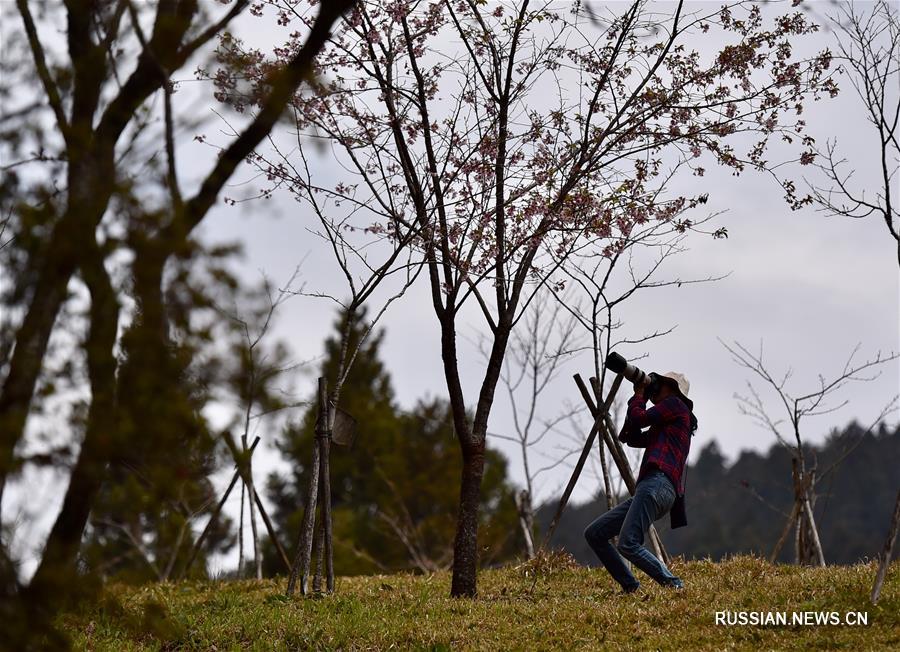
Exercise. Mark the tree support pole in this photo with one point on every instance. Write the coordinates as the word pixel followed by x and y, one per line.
pixel 576 472
pixel 245 476
pixel 318 495
pixel 300 566
pixel 608 428
pixel 603 424
pixel 215 515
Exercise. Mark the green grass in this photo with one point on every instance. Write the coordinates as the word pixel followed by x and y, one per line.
pixel 561 606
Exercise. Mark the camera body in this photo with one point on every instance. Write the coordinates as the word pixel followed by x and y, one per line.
pixel 651 382
pixel 651 391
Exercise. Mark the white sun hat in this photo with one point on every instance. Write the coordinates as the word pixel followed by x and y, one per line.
pixel 681 382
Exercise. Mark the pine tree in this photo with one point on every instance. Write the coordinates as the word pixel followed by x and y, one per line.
pixel 141 526
pixel 394 492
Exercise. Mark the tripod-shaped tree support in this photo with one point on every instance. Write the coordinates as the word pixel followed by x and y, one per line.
pixel 242 472
pixel 603 424
pixel 808 548
pixel 318 494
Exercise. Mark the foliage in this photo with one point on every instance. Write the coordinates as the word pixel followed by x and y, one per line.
pixel 91 199
pixel 141 524
pixel 570 609
pixel 393 491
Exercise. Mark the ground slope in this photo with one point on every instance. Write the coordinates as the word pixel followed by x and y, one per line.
pixel 545 606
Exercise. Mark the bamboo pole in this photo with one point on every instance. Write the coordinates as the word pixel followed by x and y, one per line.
pixel 576 472
pixel 258 502
pixel 300 566
pixel 214 517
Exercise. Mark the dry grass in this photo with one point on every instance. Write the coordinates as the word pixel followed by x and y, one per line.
pixel 543 605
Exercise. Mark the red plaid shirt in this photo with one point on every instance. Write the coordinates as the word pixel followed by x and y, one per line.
pixel 668 440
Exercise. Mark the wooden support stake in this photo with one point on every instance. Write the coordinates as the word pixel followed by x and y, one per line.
pixel 795 511
pixel 887 551
pixel 813 530
pixel 523 502
pixel 282 554
pixel 318 555
pixel 214 517
pixel 576 472
pixel 612 441
pixel 563 501
pixel 609 433
pixel 300 566
pixel 235 453
pixel 325 480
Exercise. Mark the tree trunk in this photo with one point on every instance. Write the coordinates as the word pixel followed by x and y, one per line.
pixel 90 178
pixel 465 544
pixel 55 575
pixel 32 336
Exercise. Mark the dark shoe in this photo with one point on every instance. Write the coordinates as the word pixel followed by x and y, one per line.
pixel 631 589
pixel 676 584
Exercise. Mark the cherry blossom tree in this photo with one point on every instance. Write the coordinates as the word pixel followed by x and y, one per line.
pixel 508 135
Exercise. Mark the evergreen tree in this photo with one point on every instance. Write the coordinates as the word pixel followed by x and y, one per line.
pixel 394 492
pixel 158 483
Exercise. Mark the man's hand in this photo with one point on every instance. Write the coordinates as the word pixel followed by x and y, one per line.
pixel 639 390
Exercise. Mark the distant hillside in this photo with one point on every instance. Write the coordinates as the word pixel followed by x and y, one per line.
pixel 725 517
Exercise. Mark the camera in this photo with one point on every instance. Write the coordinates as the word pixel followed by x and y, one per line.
pixel 650 381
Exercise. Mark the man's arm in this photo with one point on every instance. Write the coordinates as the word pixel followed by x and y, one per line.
pixel 641 417
pixel 632 436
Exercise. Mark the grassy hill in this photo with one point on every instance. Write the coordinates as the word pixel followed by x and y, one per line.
pixel 552 604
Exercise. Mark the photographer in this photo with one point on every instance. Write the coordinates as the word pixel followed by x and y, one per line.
pixel 660 485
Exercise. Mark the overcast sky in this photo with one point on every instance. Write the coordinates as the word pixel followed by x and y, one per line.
pixel 809 287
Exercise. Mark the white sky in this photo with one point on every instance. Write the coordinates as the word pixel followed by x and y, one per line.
pixel 808 286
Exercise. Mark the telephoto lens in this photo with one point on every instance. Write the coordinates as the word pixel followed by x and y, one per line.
pixel 619 365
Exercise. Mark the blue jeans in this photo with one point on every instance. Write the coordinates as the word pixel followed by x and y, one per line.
pixel 653 497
